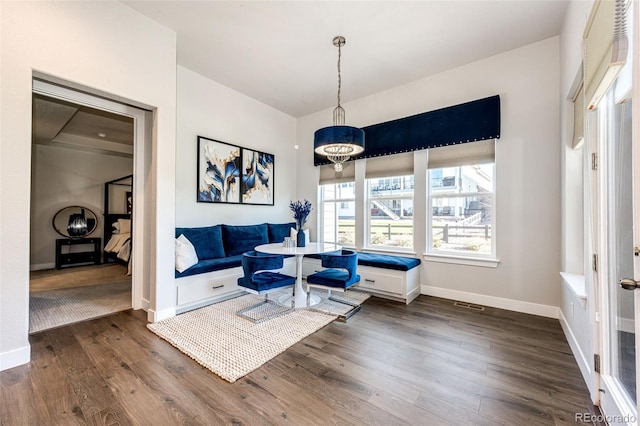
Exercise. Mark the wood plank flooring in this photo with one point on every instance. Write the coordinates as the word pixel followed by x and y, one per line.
pixel 428 363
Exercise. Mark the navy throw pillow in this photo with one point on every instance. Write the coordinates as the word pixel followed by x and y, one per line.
pixel 277 231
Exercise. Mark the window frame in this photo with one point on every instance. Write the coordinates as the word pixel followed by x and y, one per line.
pixel 460 257
pixel 336 202
pixel 367 245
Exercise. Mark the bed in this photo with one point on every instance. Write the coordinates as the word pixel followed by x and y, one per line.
pixel 118 207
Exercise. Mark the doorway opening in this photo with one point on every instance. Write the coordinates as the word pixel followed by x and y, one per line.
pixel 87 206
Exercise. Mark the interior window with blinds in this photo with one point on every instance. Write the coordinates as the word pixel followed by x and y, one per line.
pixel 462 199
pixel 389 183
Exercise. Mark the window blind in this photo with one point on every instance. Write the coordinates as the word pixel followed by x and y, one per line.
pixel 328 174
pixel 605 48
pixel 390 166
pixel 462 155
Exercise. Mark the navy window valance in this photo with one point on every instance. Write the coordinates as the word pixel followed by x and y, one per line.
pixel 469 122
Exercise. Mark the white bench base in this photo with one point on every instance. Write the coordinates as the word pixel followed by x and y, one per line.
pixel 196 291
pixel 401 286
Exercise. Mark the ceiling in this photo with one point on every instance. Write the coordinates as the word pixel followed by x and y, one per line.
pixel 62 124
pixel 281 52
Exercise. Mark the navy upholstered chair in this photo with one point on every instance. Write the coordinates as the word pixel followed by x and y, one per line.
pixel 260 279
pixel 340 276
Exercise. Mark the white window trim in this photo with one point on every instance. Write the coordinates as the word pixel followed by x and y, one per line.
pixel 321 218
pixel 487 262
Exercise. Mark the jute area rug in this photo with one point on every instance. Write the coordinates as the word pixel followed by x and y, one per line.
pixel 231 346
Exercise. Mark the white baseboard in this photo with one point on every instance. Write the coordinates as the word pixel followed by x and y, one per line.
pixel 155 316
pixel 145 304
pixel 494 302
pixel 15 358
pixel 42 266
pixel 583 363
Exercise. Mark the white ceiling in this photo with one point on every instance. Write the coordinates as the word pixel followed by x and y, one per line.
pixel 281 52
pixel 62 124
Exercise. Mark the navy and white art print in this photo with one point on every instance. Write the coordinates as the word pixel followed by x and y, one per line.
pixel 219 166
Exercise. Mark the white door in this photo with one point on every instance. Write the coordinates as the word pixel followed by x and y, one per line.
pixel 618 264
pixel 618 241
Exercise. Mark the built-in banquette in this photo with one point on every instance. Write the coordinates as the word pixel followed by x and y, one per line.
pixel 392 277
pixel 219 249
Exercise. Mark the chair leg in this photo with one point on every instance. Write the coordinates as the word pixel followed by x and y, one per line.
pixel 276 309
pixel 355 308
pixel 293 297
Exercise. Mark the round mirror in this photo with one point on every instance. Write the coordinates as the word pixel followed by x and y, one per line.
pixel 75 222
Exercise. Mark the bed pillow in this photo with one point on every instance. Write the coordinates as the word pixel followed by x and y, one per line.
pixel 186 255
pixel 125 226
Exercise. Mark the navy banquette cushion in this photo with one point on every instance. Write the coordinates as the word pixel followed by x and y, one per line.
pixel 399 263
pixel 210 265
pixel 385 261
pixel 238 239
pixel 206 240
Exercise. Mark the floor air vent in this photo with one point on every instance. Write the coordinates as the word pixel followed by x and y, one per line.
pixel 469 306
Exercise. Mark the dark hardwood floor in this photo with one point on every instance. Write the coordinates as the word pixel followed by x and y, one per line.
pixel 428 363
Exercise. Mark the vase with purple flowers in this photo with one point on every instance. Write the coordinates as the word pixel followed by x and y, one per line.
pixel 300 210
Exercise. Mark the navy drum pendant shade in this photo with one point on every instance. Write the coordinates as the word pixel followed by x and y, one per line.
pixel 353 137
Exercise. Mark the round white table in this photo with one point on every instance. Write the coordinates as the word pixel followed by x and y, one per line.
pixel 299 252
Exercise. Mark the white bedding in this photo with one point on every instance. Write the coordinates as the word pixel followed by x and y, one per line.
pixel 120 241
pixel 117 242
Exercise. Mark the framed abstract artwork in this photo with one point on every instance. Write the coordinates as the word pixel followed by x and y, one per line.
pixel 257 177
pixel 218 171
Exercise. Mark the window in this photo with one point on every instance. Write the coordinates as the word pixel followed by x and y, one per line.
pixel 338 213
pixel 461 206
pixel 390 212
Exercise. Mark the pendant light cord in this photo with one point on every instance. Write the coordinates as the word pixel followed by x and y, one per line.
pixel 339 74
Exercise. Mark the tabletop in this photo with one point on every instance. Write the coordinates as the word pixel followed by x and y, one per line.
pixel 310 248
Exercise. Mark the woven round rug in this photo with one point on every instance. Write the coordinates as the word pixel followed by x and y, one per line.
pixel 231 346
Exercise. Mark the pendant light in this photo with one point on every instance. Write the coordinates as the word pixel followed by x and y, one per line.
pixel 338 142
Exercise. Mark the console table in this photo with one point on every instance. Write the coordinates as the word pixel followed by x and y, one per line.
pixel 83 255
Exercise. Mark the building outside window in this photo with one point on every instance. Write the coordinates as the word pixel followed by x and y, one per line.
pixel 338 213
pixel 461 207
pixel 390 212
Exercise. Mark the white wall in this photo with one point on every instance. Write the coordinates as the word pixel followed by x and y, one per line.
pixel 577 320
pixel 63 177
pixel 206 108
pixel 528 171
pixel 105 47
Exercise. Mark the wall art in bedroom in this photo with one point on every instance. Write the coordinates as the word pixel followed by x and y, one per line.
pixel 218 171
pixel 257 177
